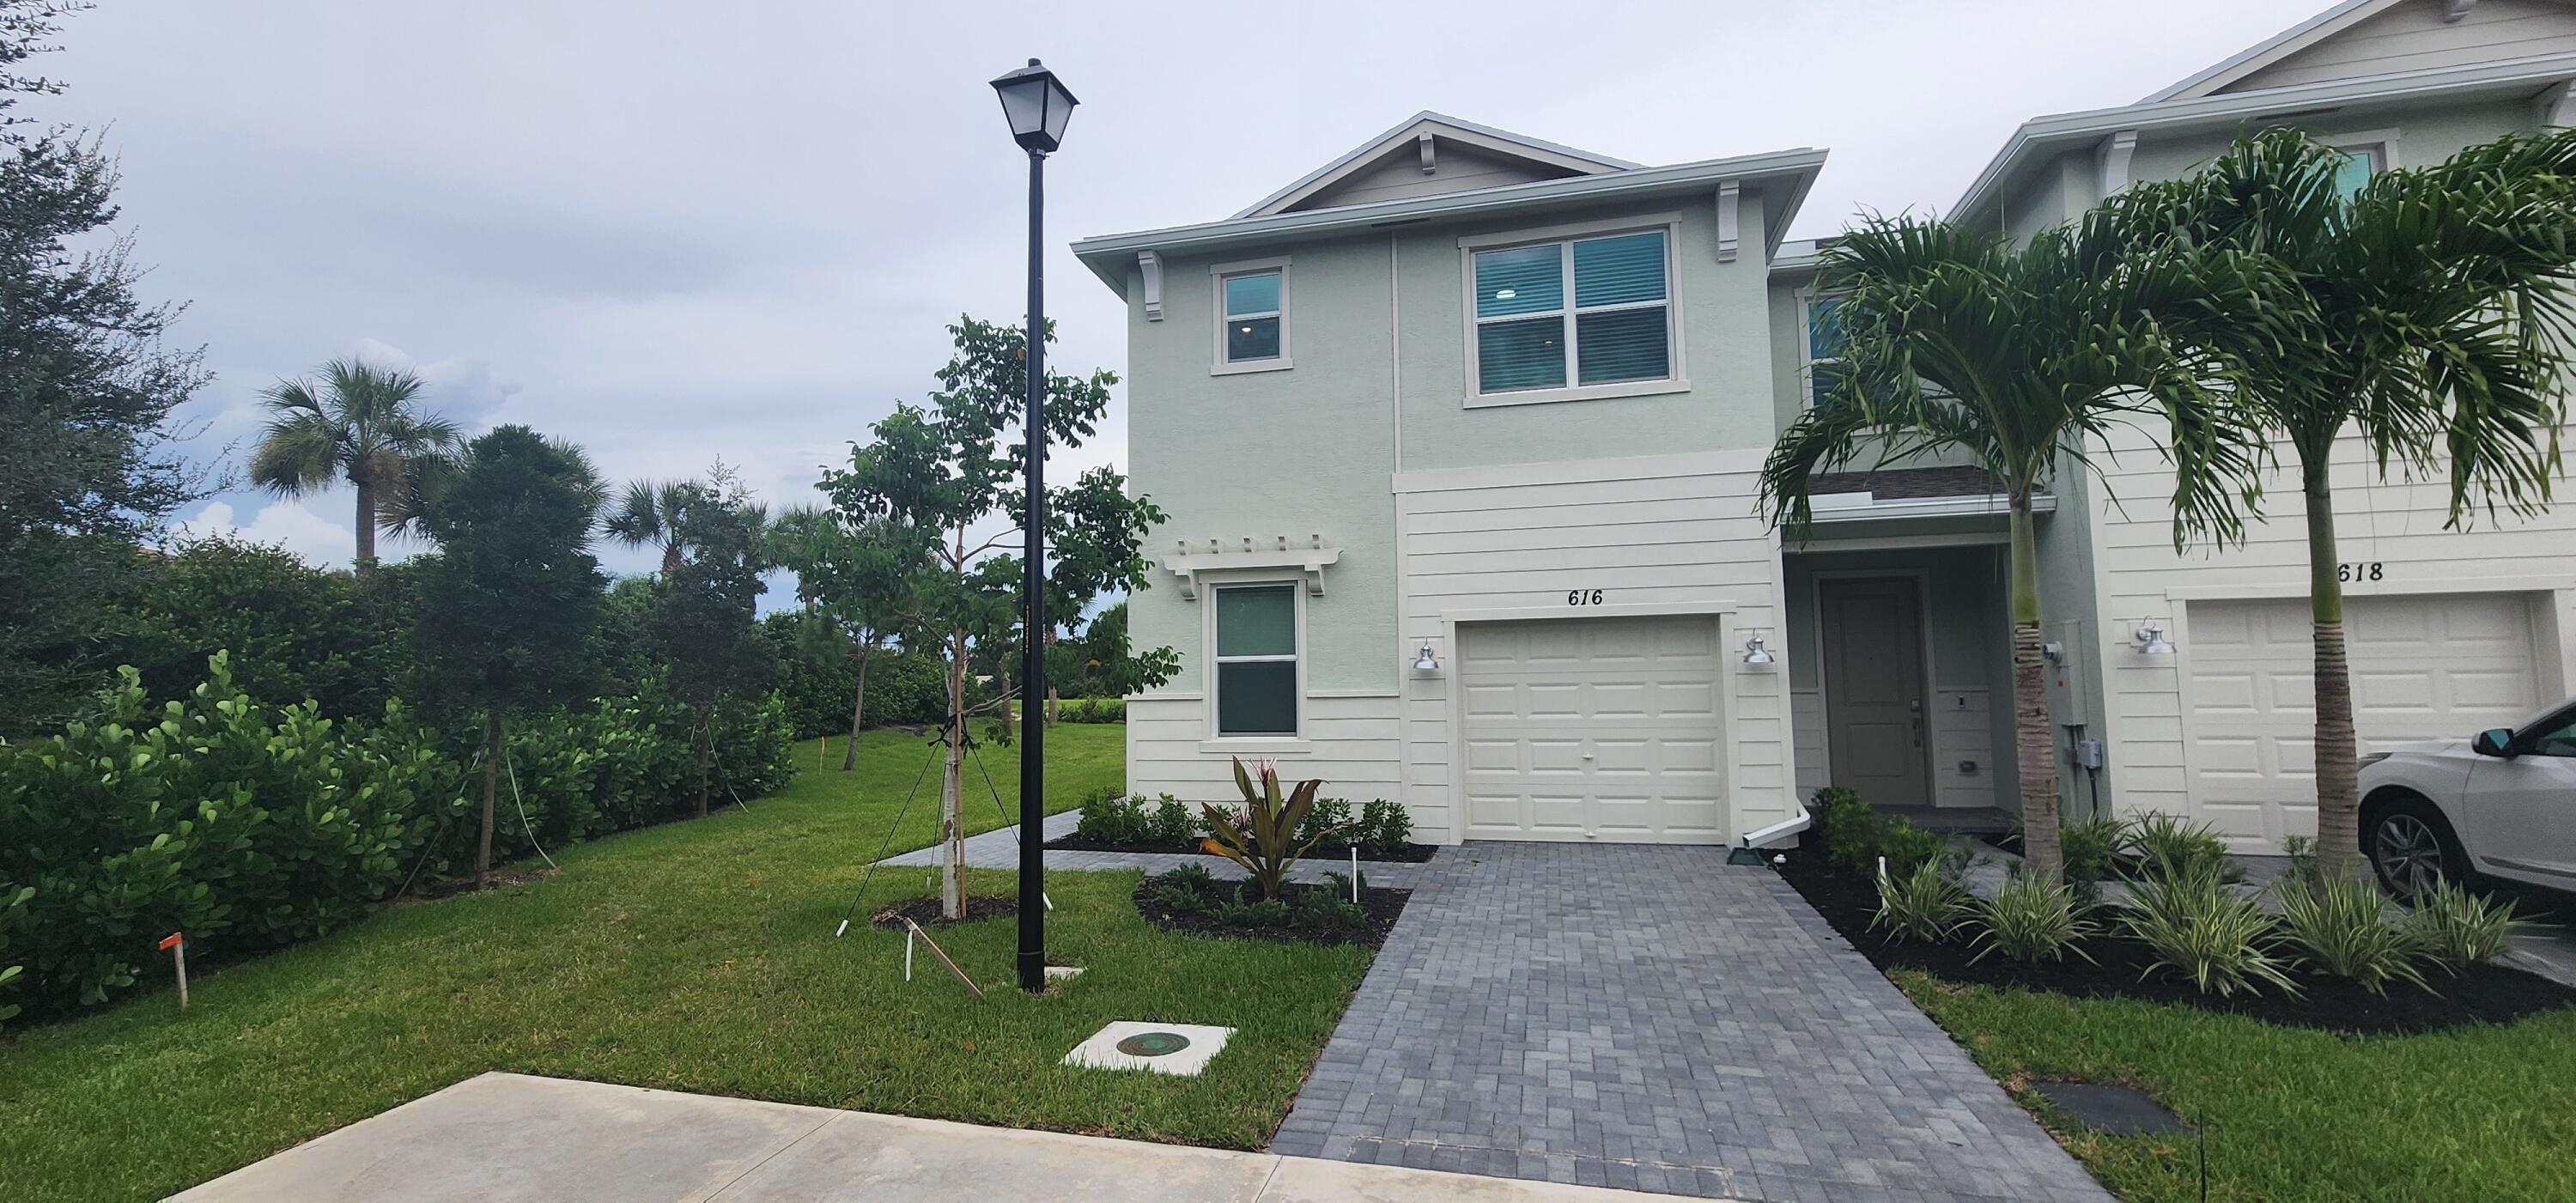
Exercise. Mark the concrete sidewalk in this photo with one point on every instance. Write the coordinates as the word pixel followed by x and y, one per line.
pixel 502 1137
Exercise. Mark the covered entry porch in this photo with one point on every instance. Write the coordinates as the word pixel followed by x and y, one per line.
pixel 1899 647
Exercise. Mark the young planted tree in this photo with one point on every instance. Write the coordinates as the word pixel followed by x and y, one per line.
pixel 507 602
pixel 361 424
pixel 2428 314
pixel 703 620
pixel 2023 358
pixel 851 578
pixel 1100 662
pixel 941 485
pixel 648 515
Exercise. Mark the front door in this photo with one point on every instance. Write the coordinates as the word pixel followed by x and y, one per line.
pixel 1872 639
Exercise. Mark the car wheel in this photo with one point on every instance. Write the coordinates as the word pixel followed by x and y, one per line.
pixel 2411 847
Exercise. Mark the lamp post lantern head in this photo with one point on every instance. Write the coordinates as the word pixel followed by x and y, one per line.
pixel 1037 105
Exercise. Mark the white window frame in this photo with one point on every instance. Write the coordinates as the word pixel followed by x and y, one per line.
pixel 1677 379
pixel 2380 144
pixel 1267 742
pixel 1806 298
pixel 1218 274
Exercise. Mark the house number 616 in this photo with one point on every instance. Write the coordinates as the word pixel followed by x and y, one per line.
pixel 1583 597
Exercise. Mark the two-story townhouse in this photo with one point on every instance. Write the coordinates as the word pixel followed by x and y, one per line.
pixel 1458 435
pixel 2452 631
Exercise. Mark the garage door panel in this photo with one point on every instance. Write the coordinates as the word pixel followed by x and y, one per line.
pixel 1597 728
pixel 1554 757
pixel 2423 667
pixel 1618 700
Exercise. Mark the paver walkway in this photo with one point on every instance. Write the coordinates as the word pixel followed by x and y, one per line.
pixel 502 1138
pixel 1650 1017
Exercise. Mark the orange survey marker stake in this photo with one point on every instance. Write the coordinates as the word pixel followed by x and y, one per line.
pixel 176 944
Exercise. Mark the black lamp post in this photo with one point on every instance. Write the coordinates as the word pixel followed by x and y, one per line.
pixel 1037 107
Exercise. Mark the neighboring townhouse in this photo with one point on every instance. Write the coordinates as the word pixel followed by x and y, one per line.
pixel 1459 432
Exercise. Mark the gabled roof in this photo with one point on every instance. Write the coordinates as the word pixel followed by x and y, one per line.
pixel 2275 48
pixel 1549 157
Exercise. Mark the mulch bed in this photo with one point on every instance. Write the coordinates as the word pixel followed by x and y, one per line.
pixel 925 911
pixel 2483 994
pixel 1380 905
pixel 1413 854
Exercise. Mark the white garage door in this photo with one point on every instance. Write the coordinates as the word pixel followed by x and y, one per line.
pixel 2432 667
pixel 1592 728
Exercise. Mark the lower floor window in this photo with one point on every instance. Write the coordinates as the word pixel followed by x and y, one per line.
pixel 1256 660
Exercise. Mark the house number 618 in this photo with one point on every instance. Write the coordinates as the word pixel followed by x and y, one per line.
pixel 1583 597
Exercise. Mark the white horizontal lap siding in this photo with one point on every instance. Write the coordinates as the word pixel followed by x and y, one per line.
pixel 1658 531
pixel 2149 722
pixel 1350 743
pixel 1962 732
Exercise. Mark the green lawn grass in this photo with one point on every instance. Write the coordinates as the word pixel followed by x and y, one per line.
pixel 694 956
pixel 2485 1113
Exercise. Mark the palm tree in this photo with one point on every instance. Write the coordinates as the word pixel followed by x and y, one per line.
pixel 649 516
pixel 2428 313
pixel 359 424
pixel 2023 359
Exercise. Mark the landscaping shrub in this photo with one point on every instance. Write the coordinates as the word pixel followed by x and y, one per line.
pixel 2167 846
pixel 1847 828
pixel 1258 912
pixel 1092 710
pixel 1386 828
pixel 1182 897
pixel 2092 850
pixel 2334 923
pixel 1173 823
pixel 1330 907
pixel 250 826
pixel 1190 875
pixel 1113 818
pixel 1908 848
pixel 1924 905
pixel 1327 827
pixel 2031 920
pixel 1263 836
pixel 244 826
pixel 2458 929
pixel 2204 931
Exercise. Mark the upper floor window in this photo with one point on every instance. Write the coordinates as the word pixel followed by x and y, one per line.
pixel 1824 347
pixel 1252 316
pixel 1613 326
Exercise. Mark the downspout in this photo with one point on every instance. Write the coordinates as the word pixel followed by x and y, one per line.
pixel 1395 509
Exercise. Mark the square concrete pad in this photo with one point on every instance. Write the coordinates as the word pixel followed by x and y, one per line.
pixel 502 1137
pixel 1101 1051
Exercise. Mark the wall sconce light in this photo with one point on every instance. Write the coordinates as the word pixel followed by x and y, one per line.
pixel 1426 662
pixel 1754 652
pixel 2053 652
pixel 2151 640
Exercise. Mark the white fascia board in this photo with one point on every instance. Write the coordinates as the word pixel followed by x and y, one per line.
pixel 1797 255
pixel 2062 131
pixel 1921 507
pixel 2273 49
pixel 1403 131
pixel 1109 255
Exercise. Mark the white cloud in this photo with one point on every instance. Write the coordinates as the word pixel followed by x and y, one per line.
pixel 289 525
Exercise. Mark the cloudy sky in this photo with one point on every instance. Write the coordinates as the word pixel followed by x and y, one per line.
pixel 677 231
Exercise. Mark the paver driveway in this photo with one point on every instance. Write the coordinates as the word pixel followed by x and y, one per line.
pixel 1650 1017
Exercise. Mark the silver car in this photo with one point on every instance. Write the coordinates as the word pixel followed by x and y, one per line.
pixel 2500 803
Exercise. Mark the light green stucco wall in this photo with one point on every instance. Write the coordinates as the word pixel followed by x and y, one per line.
pixel 1306 451
pixel 1311 449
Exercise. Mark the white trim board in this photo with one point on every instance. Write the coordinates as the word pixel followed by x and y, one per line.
pixel 1433 125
